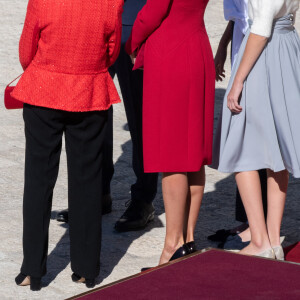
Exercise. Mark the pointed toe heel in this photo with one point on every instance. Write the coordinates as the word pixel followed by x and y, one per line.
pixel 181 252
pixel 25 280
pixel 279 253
pixel 269 253
pixel 90 283
pixel 76 278
pixel 192 246
pixel 22 280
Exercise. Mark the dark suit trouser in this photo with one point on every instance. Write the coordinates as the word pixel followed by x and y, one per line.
pixel 131 84
pixel 84 136
pixel 108 165
pixel 240 213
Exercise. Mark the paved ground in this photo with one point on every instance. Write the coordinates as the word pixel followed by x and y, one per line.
pixel 122 254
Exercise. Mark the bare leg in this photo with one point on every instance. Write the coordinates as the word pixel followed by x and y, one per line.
pixel 277 189
pixel 196 181
pixel 175 192
pixel 250 190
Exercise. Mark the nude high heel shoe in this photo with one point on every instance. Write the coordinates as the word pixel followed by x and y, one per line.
pixel 279 253
pixel 269 253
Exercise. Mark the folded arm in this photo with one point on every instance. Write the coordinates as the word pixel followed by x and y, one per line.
pixel 148 20
pixel 30 36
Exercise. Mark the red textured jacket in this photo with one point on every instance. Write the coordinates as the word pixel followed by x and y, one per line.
pixel 66 49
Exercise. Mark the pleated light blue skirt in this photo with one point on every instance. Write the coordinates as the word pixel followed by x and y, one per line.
pixel 266 134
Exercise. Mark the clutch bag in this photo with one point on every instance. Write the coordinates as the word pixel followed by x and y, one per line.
pixel 9 101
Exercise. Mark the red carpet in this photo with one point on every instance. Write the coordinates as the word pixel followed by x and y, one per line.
pixel 211 275
pixel 292 253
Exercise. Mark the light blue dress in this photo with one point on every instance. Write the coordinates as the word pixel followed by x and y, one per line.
pixel 266 134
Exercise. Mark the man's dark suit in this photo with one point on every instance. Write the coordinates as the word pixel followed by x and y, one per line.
pixel 131 84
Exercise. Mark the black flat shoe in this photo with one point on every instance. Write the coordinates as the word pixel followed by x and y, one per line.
pixel 90 283
pixel 181 252
pixel 24 280
pixel 191 246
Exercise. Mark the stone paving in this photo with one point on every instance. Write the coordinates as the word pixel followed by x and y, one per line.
pixel 122 254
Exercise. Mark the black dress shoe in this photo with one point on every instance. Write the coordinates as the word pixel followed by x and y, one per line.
pixel 191 246
pixel 63 216
pixel 137 216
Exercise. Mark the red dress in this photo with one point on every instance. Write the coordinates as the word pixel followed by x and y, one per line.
pixel 179 85
pixel 65 49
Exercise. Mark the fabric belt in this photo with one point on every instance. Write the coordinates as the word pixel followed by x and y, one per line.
pixel 282 25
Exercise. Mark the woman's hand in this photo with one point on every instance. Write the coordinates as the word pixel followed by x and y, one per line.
pixel 234 96
pixel 220 60
pixel 254 48
pixel 221 55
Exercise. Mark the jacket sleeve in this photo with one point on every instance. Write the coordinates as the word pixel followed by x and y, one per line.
pixel 264 14
pixel 114 41
pixel 148 20
pixel 30 36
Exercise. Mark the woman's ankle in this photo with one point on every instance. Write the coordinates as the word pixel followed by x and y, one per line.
pixel 190 237
pixel 274 237
pixel 275 242
pixel 261 243
pixel 172 245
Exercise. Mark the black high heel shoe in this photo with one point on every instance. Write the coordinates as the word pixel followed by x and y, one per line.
pixel 90 283
pixel 24 280
pixel 191 246
pixel 181 252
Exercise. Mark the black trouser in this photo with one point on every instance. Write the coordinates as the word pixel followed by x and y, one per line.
pixel 108 165
pixel 84 136
pixel 240 213
pixel 131 84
